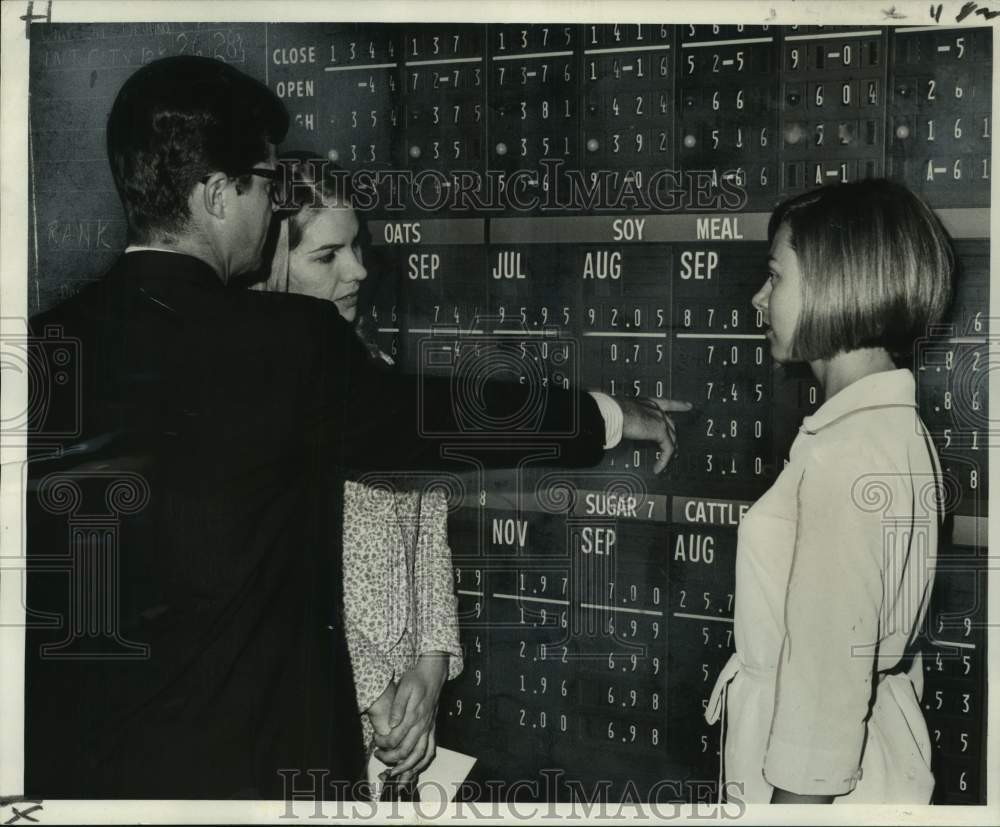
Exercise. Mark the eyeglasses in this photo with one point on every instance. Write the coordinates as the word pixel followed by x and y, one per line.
pixel 263 172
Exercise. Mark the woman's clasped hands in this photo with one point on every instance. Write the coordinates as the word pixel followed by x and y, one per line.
pixel 404 715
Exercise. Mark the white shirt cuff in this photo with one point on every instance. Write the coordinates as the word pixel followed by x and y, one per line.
pixel 614 419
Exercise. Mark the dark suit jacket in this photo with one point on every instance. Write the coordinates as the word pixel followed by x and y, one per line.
pixel 226 419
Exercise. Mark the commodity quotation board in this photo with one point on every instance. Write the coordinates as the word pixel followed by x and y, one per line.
pixel 587 205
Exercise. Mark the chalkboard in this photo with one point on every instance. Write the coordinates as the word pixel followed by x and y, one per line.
pixel 596 607
pixel 77 223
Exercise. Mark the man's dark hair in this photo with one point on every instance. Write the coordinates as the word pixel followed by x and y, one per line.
pixel 177 120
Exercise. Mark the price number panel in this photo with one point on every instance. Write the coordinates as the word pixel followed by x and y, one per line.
pixel 722 363
pixel 832 107
pixel 623 623
pixel 464 712
pixel 430 294
pixel 940 113
pixel 624 294
pixel 442 287
pixel 727 107
pixel 445 93
pixel 763 111
pixel 534 116
pixel 955 667
pixel 701 554
pixel 342 87
pixel 627 100
pixel 951 369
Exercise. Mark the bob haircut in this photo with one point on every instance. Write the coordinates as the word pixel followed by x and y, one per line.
pixel 876 267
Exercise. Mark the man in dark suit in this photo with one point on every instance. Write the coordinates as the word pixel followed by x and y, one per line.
pixel 198 650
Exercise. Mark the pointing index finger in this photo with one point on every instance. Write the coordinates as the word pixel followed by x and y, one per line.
pixel 671 405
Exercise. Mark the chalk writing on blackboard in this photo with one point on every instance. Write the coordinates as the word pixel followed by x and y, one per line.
pixel 84 234
pixel 104 53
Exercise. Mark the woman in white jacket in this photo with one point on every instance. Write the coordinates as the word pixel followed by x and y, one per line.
pixel 835 563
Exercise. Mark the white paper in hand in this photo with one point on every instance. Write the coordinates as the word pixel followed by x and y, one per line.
pixel 439 782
